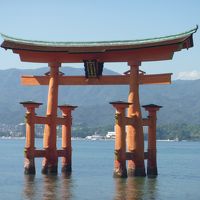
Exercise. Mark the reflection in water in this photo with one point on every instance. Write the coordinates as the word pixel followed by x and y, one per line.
pixel 66 187
pixel 152 192
pixel 135 188
pixel 120 188
pixel 29 186
pixel 48 187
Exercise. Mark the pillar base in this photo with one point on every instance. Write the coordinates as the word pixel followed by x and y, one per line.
pixel 50 162
pixel 120 173
pixel 152 172
pixel 136 172
pixel 50 169
pixel 66 169
pixel 29 166
pixel 29 170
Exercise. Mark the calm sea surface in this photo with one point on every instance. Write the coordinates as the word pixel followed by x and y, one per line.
pixel 178 165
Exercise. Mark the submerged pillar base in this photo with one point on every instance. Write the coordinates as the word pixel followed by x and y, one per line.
pixel 29 166
pixel 152 163
pixel 120 173
pixel 66 169
pixel 50 169
pixel 152 172
pixel 29 170
pixel 136 172
pixel 50 162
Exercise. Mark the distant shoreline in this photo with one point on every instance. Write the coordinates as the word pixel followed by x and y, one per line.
pixel 79 138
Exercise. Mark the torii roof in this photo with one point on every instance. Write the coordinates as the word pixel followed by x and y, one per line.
pixel 107 51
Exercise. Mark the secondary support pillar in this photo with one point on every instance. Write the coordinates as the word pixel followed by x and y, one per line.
pixel 50 161
pixel 29 161
pixel 135 136
pixel 152 161
pixel 120 140
pixel 66 137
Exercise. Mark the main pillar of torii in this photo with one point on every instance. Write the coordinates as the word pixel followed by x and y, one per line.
pixel 50 162
pixel 135 136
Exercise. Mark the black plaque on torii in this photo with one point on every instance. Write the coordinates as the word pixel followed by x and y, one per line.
pixel 93 68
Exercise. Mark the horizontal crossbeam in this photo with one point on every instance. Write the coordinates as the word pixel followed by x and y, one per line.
pixel 133 121
pixel 46 120
pixel 132 156
pixel 41 120
pixel 103 80
pixel 42 153
pixel 145 122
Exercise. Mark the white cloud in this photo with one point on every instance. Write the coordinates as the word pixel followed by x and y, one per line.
pixel 191 75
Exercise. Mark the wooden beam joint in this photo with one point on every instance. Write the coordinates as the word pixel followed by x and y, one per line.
pixel 131 120
pixel 145 122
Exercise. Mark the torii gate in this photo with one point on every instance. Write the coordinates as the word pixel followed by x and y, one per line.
pixel 94 55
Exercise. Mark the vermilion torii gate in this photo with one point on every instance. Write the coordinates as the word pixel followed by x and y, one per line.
pixel 94 55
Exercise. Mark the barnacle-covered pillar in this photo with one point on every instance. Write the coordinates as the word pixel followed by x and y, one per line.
pixel 120 139
pixel 66 137
pixel 152 161
pixel 29 162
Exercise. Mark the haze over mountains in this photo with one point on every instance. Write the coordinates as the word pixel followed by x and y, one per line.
pixel 180 100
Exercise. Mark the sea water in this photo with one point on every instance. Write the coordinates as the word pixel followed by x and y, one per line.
pixel 178 168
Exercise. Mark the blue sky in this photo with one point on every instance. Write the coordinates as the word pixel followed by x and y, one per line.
pixel 91 20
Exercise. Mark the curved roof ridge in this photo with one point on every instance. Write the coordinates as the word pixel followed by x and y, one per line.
pixel 99 43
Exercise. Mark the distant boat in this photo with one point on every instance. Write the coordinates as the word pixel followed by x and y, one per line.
pixel 177 139
pixel 170 140
pixel 110 135
pixel 94 137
